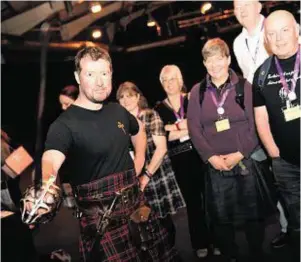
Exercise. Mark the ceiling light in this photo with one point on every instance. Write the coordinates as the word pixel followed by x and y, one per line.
pixel 95 8
pixel 206 7
pixel 151 21
pixel 96 33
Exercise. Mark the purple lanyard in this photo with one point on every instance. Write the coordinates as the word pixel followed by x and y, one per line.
pixel 181 115
pixel 257 46
pixel 296 72
pixel 221 101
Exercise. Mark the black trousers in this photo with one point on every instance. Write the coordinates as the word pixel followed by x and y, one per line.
pixel 188 168
pixel 287 178
pixel 167 223
pixel 225 238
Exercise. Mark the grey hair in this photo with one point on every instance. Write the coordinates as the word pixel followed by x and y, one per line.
pixel 172 68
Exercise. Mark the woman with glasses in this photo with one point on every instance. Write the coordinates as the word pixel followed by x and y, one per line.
pixel 186 163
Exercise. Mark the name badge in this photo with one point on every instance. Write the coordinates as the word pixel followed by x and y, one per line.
pixel 292 113
pixel 222 125
pixel 184 138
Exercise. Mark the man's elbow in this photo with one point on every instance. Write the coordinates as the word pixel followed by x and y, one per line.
pixel 261 121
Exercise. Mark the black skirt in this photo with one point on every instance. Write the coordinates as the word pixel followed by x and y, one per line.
pixel 236 196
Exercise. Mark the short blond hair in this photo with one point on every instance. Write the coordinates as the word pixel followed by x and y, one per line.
pixel 215 46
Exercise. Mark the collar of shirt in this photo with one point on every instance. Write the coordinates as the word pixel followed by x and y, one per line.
pixel 227 84
pixel 222 86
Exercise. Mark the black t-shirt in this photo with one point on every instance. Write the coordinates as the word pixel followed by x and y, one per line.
pixel 94 142
pixel 272 95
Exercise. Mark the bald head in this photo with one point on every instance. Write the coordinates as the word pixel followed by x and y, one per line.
pixel 280 15
pixel 247 12
pixel 281 33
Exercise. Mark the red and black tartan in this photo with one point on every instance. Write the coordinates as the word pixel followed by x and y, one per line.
pixel 116 243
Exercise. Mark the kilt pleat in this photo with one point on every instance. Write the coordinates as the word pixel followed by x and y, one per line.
pixel 233 196
pixel 116 244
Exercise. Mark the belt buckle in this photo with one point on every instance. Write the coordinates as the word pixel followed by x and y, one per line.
pixel 77 214
pixel 125 196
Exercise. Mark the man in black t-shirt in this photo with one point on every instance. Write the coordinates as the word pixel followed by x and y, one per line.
pixel 92 134
pixel 277 110
pixel 95 136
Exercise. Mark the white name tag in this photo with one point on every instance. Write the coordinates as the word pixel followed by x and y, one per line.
pixel 222 125
pixel 184 138
pixel 292 113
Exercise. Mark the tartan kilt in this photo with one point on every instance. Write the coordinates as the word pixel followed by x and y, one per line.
pixel 233 196
pixel 163 192
pixel 116 244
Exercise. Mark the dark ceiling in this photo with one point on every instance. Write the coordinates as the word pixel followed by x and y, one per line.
pixel 123 24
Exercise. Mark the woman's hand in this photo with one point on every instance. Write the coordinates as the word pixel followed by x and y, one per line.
pixel 169 128
pixel 232 159
pixel 183 124
pixel 143 180
pixel 218 163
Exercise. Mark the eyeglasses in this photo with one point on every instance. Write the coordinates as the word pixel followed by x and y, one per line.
pixel 171 80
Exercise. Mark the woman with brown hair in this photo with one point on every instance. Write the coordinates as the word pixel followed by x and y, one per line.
pixel 67 96
pixel 158 180
pixel 221 125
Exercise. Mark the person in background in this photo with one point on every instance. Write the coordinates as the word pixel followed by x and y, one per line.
pixel 9 180
pixel 158 181
pixel 277 113
pixel 251 51
pixel 186 163
pixel 249 47
pixel 15 235
pixel 221 126
pixel 67 96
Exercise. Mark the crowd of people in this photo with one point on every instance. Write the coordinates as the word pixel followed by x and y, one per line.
pixel 228 150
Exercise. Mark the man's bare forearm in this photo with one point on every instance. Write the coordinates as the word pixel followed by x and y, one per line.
pixel 51 163
pixel 268 141
pixel 264 132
